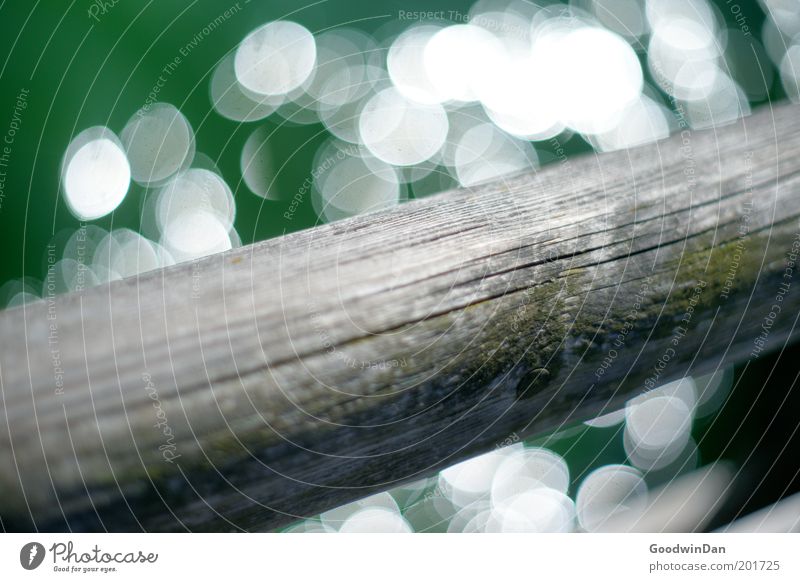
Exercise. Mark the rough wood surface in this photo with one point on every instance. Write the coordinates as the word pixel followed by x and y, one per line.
pixel 280 379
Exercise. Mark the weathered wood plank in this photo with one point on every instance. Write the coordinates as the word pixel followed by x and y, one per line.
pixel 283 378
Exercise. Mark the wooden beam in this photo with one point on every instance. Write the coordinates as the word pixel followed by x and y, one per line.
pixel 280 379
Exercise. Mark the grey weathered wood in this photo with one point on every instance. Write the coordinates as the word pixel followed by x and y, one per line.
pixel 305 371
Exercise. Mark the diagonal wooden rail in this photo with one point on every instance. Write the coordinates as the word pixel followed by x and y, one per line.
pixel 283 378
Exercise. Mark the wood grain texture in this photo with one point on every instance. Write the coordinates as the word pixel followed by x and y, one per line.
pixel 280 379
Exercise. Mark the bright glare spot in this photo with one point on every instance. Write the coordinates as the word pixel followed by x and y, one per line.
pixel 657 430
pixel 525 113
pixel 95 174
pixel 125 253
pixel 658 422
pixel 195 189
pixel 20 291
pixel 682 55
pixel 406 65
pixel 484 153
pixel 660 12
pixel 465 515
pixel 696 80
pixel 136 255
pixel 690 37
pixel 457 57
pixel 231 101
pixel 540 510
pixel 334 518
pixel 529 468
pixel 725 104
pixel 607 420
pixel 459 120
pixel 21 298
pixel 275 58
pixel 683 389
pixel 343 121
pixel 399 131
pixel 73 276
pixel 340 79
pixel 159 141
pixel 194 234
pixel 521 90
pixel 471 480
pixel 601 77
pixel 375 520
pixel 340 74
pixel 712 390
pixel 347 185
pixel 104 274
pixel 510 21
pixel 609 492
pixel 256 164
pixel 785 14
